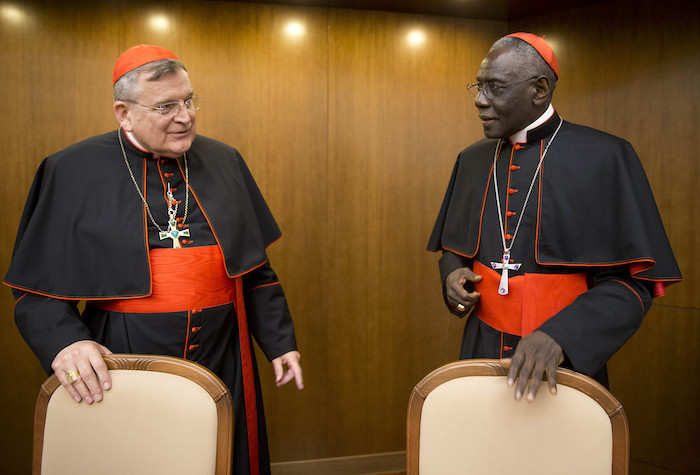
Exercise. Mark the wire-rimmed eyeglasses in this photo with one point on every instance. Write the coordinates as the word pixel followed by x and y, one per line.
pixel 490 88
pixel 171 108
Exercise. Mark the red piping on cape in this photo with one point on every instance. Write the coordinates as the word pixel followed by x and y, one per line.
pixel 635 266
pixel 150 269
pixel 261 286
pixel 213 231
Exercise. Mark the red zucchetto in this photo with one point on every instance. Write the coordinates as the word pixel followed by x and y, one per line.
pixel 542 48
pixel 138 56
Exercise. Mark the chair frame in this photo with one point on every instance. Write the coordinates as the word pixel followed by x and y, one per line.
pixel 486 367
pixel 163 364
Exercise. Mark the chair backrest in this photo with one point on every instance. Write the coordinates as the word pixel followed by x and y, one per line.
pixel 163 415
pixel 463 419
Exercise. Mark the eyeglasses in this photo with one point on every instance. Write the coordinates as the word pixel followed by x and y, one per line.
pixel 171 108
pixel 491 89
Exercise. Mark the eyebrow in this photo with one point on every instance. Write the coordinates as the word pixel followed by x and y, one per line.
pixel 170 101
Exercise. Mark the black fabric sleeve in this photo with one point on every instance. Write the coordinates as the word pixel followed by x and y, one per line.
pixel 269 320
pixel 448 263
pixel 601 320
pixel 48 325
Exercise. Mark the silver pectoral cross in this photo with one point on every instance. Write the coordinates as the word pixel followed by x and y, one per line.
pixel 504 265
pixel 174 234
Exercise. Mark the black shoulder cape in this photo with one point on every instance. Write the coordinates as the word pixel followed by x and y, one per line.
pixel 595 205
pixel 83 231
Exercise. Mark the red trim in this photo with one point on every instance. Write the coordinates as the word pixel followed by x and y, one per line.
pixel 261 286
pixel 251 408
pixel 509 192
pixel 65 297
pixel 187 333
pixel 144 215
pixel 633 291
pixel 218 243
pixel 20 298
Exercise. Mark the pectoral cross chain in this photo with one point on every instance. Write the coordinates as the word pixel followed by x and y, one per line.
pixel 505 265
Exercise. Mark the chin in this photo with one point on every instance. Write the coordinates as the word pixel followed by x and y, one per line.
pixel 181 147
pixel 491 134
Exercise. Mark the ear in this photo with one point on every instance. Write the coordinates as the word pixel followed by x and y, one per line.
pixel 122 111
pixel 543 91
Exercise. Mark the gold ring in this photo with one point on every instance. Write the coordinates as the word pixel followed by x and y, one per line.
pixel 73 376
pixel 460 307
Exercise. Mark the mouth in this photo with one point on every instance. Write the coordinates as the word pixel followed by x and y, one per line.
pixel 181 133
pixel 486 120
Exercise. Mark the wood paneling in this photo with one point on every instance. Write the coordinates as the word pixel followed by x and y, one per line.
pixel 398 116
pixel 655 377
pixel 351 135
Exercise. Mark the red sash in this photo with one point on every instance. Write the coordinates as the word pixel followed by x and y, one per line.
pixel 532 298
pixel 195 278
pixel 182 280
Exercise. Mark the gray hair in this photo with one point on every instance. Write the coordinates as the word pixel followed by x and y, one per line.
pixel 531 63
pixel 127 87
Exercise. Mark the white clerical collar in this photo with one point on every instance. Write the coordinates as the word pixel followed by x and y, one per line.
pixel 521 136
pixel 136 143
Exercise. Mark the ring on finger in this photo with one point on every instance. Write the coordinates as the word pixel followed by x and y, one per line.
pixel 73 376
pixel 460 307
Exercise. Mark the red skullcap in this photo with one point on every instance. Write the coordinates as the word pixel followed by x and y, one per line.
pixel 138 56
pixel 542 48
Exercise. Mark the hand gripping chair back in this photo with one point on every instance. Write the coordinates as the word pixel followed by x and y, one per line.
pixel 163 415
pixel 463 419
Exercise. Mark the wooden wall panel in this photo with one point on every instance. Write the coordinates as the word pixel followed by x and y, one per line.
pixel 655 377
pixel 47 56
pixel 398 116
pixel 351 136
pixel 630 68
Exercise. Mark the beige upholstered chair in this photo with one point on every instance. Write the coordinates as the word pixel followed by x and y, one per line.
pixel 163 415
pixel 463 419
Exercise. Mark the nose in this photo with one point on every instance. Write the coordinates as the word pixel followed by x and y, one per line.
pixel 183 114
pixel 480 100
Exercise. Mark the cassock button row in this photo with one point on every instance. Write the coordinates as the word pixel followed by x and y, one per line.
pixel 508 236
pixel 512 190
pixel 510 213
pixel 196 329
pixel 514 167
pixel 192 347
